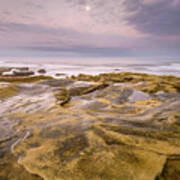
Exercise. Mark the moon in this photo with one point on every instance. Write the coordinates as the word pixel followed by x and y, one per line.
pixel 88 8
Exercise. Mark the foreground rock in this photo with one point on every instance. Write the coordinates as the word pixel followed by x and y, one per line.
pixel 112 126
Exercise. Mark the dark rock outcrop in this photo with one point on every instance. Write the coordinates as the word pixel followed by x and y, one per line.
pixel 23 73
pixel 42 71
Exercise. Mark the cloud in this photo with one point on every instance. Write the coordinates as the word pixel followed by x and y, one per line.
pixel 111 27
pixel 155 17
pixel 34 5
pixel 19 34
pixel 33 28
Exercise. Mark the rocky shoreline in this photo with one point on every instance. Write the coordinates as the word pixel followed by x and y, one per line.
pixel 119 126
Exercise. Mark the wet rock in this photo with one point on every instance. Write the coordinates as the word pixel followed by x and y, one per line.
pixel 63 96
pixel 78 88
pixel 34 145
pixel 4 84
pixel 72 147
pixel 11 170
pixel 86 88
pixel 58 83
pixel 77 91
pixel 171 169
pixel 49 133
pixel 8 91
pixel 2 153
pixel 167 96
pixel 94 105
pixel 33 89
pixel 138 96
pixel 123 97
pixel 83 84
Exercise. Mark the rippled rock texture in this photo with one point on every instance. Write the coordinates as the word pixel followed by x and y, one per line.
pixel 112 126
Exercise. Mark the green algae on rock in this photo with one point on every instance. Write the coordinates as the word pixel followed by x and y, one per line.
pixel 8 91
pixel 63 96
pixel 23 79
pixel 154 83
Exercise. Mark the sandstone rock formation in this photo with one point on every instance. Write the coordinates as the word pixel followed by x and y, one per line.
pixel 112 126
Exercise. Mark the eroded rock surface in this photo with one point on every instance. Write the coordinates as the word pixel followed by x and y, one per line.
pixel 105 127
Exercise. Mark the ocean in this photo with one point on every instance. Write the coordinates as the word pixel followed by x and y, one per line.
pixel 94 66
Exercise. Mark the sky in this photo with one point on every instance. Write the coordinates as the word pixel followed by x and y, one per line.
pixel 90 28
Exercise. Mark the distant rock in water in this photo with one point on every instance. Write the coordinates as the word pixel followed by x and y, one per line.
pixel 3 70
pixel 42 71
pixel 23 68
pixel 18 72
pixel 116 69
pixel 23 73
pixel 60 74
